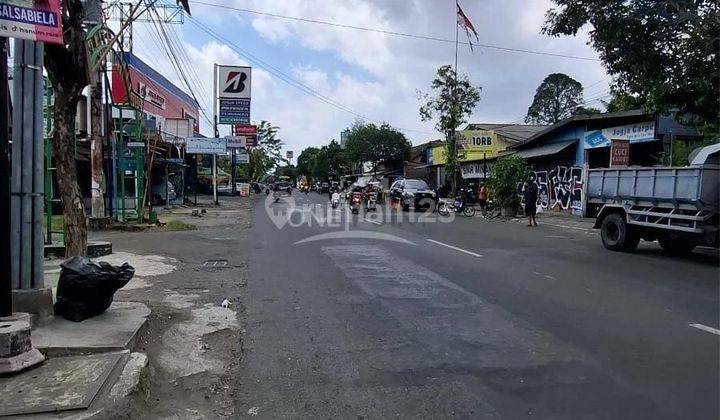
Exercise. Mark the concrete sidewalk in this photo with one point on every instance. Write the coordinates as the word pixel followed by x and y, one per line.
pixel 90 368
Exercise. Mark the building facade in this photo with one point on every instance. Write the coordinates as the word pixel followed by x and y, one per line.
pixel 560 153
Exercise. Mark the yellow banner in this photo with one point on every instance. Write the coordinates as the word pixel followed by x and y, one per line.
pixel 478 144
pixel 473 144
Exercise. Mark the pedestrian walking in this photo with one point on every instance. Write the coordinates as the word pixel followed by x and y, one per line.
pixel 530 194
pixel 482 197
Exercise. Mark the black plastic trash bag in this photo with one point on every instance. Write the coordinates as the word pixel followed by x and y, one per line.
pixel 86 288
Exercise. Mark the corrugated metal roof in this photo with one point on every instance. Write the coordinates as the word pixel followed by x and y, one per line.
pixel 517 132
pixel 583 118
pixel 545 150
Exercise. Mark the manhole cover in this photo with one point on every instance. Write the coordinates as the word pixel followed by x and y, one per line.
pixel 215 263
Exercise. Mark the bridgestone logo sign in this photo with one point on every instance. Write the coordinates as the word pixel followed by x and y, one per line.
pixel 234 82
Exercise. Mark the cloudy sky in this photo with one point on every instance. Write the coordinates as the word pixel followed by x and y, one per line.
pixel 364 73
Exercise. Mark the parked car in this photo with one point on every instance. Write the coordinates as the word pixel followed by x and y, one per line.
pixel 413 193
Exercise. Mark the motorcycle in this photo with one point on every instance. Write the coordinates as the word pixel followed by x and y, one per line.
pixel 459 205
pixel 335 200
pixel 371 201
pixel 356 202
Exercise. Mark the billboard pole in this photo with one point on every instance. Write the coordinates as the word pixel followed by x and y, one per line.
pixel 216 132
pixel 233 170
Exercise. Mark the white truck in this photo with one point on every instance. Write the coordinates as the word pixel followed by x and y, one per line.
pixel 677 206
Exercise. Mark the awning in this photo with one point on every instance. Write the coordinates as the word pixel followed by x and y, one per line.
pixel 545 150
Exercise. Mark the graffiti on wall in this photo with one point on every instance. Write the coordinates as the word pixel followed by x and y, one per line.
pixel 559 188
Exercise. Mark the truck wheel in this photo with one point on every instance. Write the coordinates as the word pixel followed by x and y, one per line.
pixel 676 246
pixel 616 235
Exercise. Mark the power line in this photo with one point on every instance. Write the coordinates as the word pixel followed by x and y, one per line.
pixel 290 80
pixel 172 56
pixel 393 33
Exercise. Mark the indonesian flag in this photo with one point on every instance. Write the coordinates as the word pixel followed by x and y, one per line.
pixel 465 23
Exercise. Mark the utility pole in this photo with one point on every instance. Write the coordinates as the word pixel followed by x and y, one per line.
pixel 5 278
pixel 215 132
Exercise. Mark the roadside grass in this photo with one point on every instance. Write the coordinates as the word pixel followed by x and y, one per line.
pixel 178 225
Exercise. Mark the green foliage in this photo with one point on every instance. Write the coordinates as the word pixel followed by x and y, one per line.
pixel 306 161
pixel 662 52
pixel 621 101
pixel 504 178
pixel 555 99
pixel 289 171
pixel 452 100
pixel 376 144
pixel 323 163
pixel 581 110
pixel 269 143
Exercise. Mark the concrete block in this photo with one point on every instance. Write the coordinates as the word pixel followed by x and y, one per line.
pixel 34 301
pixel 14 338
pixel 20 362
pixel 16 350
pixel 115 329
pixel 129 379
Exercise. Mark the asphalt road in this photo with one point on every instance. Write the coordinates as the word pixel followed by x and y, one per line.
pixel 472 318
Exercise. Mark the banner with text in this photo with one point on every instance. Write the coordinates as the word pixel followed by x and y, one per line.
pixel 32 20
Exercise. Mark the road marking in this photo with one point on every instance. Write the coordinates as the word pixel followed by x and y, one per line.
pixel 557 237
pixel 705 328
pixel 564 226
pixel 373 221
pixel 454 247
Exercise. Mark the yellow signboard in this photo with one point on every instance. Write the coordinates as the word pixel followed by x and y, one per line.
pixel 473 145
pixel 478 144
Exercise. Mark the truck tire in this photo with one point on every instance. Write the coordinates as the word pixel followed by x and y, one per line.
pixel 616 235
pixel 676 246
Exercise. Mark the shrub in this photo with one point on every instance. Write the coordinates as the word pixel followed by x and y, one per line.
pixel 504 178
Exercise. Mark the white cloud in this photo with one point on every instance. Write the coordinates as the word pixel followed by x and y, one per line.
pixel 381 73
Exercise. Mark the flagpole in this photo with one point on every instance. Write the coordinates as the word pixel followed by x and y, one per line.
pixel 454 108
pixel 457 27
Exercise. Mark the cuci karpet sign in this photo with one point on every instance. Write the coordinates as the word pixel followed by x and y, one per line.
pixel 38 20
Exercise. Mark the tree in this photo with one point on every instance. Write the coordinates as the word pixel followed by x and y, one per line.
pixel 452 100
pixel 555 99
pixel 66 66
pixel 581 110
pixel 306 161
pixel 269 143
pixel 662 52
pixel 289 171
pixel 330 161
pixel 623 102
pixel 260 164
pixel 370 143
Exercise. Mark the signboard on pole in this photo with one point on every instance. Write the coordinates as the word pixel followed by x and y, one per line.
pixel 245 129
pixel 205 146
pixel 234 111
pixel 619 153
pixel 233 90
pixel 289 154
pixel 235 142
pixel 234 82
pixel 243 157
pixel 32 20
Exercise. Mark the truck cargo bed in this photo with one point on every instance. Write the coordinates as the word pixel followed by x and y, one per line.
pixel 691 188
